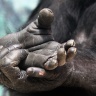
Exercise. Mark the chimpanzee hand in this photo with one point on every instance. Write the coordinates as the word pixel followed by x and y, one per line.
pixel 36 33
pixel 49 57
pixel 44 54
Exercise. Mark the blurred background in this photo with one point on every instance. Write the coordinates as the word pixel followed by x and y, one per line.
pixel 13 14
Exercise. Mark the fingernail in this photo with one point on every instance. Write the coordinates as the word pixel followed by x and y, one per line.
pixel 70 43
pixel 51 64
pixel 35 72
pixel 41 73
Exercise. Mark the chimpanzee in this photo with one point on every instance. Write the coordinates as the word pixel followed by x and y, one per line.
pixel 34 60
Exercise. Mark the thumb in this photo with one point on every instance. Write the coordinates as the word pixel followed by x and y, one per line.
pixel 45 18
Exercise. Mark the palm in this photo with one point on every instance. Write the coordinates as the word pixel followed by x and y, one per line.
pixel 33 55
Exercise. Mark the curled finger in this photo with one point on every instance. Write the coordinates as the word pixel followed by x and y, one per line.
pixel 4 51
pixel 8 64
pixel 36 72
pixel 51 64
pixel 61 56
pixel 71 53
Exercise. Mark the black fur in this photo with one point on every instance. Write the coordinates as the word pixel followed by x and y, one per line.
pixel 74 19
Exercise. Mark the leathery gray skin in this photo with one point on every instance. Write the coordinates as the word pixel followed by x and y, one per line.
pixel 31 61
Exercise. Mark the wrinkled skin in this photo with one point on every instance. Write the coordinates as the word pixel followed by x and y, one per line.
pixel 30 60
pixel 74 19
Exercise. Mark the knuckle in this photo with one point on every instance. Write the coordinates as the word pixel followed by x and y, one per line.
pixel 5 62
